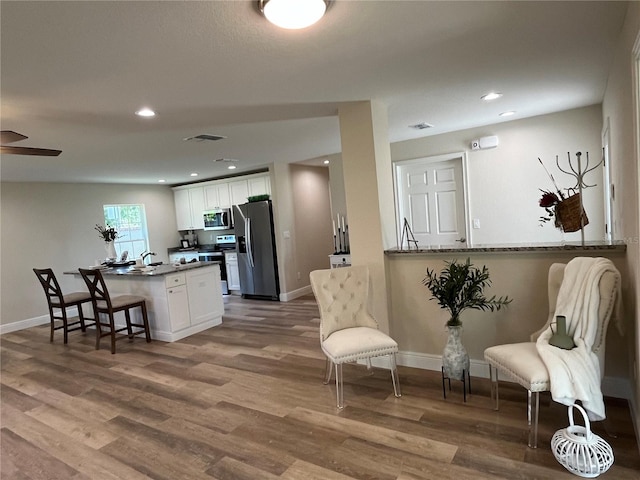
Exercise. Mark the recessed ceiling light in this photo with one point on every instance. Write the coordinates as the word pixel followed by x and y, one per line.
pixel 231 167
pixel 491 96
pixel 194 174
pixel 162 180
pixel 146 112
pixel 507 114
pixel 326 162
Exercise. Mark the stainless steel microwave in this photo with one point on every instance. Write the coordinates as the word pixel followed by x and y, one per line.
pixel 218 219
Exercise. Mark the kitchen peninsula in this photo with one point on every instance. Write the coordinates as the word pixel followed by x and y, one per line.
pixel 519 271
pixel 181 300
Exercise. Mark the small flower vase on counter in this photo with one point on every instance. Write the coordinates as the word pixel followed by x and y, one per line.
pixel 112 256
pixel 455 358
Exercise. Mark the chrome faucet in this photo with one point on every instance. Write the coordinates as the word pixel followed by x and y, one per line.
pixel 145 255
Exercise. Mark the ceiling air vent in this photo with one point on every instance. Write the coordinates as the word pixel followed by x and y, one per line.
pixel 421 126
pixel 204 136
pixel 225 160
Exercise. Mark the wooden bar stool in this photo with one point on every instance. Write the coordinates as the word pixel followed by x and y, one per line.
pixel 57 300
pixel 104 304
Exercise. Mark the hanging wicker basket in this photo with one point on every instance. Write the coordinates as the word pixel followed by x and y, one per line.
pixel 570 216
pixel 579 450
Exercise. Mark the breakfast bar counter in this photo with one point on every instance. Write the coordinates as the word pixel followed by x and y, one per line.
pixel 587 248
pixel 181 300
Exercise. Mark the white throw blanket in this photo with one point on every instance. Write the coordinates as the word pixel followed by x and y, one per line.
pixel 575 374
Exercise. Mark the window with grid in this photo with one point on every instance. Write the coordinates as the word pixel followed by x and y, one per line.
pixel 130 222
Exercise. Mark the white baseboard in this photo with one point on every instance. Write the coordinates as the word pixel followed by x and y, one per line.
pixel 300 292
pixel 33 322
pixel 22 324
pixel 616 387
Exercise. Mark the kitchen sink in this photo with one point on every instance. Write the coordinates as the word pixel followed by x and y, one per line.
pixel 155 264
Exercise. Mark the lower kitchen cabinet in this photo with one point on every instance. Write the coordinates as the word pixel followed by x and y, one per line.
pixel 202 288
pixel 179 303
pixel 233 276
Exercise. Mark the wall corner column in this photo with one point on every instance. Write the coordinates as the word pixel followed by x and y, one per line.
pixel 366 165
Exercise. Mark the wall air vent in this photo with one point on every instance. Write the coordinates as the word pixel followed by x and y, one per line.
pixel 204 136
pixel 421 126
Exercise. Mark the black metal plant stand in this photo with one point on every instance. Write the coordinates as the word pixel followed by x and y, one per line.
pixel 466 382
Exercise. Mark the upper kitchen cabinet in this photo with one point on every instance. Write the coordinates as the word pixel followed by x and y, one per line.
pixel 239 190
pixel 249 186
pixel 259 185
pixel 191 201
pixel 189 204
pixel 217 196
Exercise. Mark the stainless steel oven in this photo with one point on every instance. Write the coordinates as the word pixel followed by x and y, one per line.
pixel 217 257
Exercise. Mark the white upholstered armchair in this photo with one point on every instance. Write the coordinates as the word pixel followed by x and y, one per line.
pixel 348 332
pixel 522 362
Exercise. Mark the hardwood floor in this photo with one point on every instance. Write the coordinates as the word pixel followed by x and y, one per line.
pixel 245 400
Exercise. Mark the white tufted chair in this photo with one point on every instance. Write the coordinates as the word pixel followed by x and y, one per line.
pixel 348 332
pixel 521 362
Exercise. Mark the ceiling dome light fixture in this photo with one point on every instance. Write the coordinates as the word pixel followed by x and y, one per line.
pixel 293 14
pixel 145 112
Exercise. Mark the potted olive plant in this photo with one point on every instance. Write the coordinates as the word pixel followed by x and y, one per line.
pixel 458 287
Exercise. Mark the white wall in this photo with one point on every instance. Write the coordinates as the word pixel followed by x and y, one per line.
pixel 418 324
pixel 504 182
pixel 618 108
pixel 301 203
pixel 52 225
pixel 313 232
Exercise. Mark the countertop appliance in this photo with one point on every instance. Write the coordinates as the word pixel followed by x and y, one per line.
pixel 256 248
pixel 215 253
pixel 218 219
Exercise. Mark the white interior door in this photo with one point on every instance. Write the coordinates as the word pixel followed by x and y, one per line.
pixel 431 199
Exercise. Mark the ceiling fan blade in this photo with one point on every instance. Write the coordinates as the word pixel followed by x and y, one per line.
pixel 9 136
pixel 45 152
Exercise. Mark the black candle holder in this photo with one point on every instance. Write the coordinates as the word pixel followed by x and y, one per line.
pixel 347 248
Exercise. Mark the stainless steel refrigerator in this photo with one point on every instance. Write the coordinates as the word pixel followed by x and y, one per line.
pixel 256 247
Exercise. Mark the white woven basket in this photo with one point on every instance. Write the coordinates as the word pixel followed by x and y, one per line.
pixel 581 451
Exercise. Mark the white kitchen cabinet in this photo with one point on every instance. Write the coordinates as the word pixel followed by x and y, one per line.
pixel 189 204
pixel 217 196
pixel 204 288
pixel 178 303
pixel 239 190
pixel 193 297
pixel 233 276
pixel 260 185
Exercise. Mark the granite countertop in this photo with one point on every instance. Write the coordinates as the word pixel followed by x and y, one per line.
pixel 210 247
pixel 617 246
pixel 160 270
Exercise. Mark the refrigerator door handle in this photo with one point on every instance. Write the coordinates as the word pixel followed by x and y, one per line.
pixel 249 241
